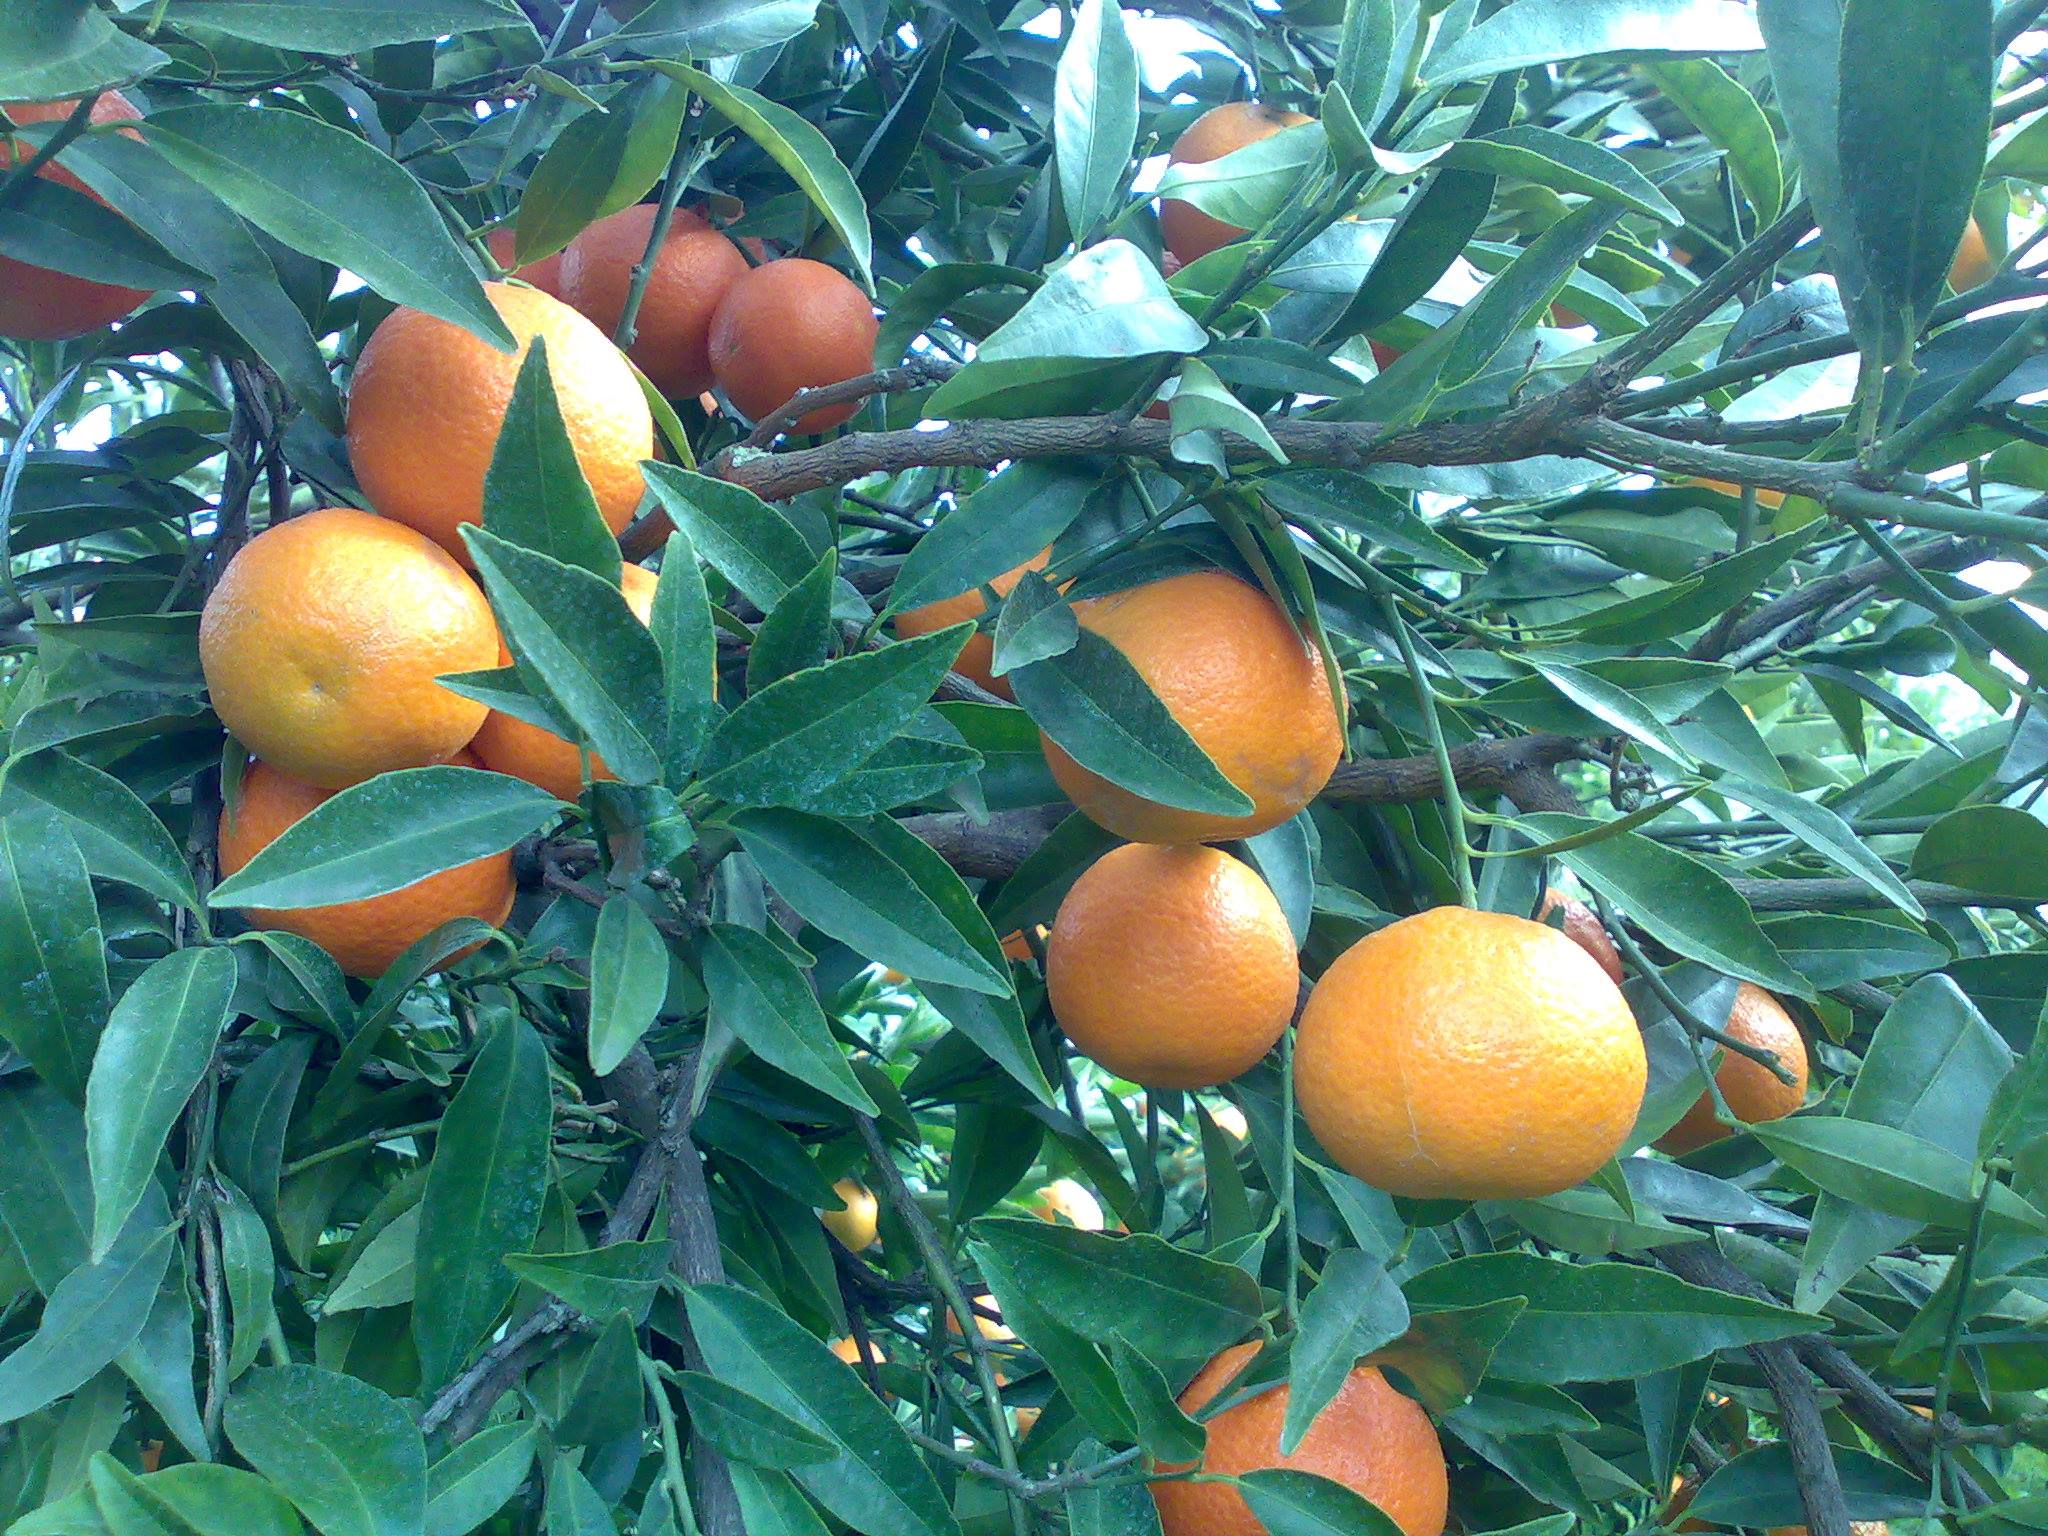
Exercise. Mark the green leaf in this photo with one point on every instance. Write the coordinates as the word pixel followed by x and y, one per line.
pixel 1444 1355
pixel 747 1429
pixel 120 837
pixel 387 833
pixel 619 1277
pixel 1202 407
pixel 1101 711
pixel 798 633
pixel 342 26
pixel 1564 164
pixel 687 637
pixel 196 1499
pixel 1993 849
pixel 764 1000
pixel 797 737
pixel 602 162
pixel 1354 1309
pixel 1165 1301
pixel 1888 1170
pixel 479 1477
pixel 157 1046
pixel 483 1196
pixel 1163 1428
pixel 1006 522
pixel 1828 835
pixel 1291 1503
pixel 53 969
pixel 574 1507
pixel 800 149
pixel 93 1314
pixel 881 892
pixel 1369 61
pixel 250 1269
pixel 50 225
pixel 385 1273
pixel 1600 1322
pixel 1729 116
pixel 1249 185
pixel 1759 1487
pixel 323 191
pixel 1504 305
pixel 1035 623
pixel 710 29
pixel 876 1480
pixel 1094 112
pixel 1609 702
pixel 772 1504
pixel 628 981
pixel 580 647
pixel 1912 126
pixel 535 495
pixel 1548 31
pixel 740 536
pixel 1654 883
pixel 347 1455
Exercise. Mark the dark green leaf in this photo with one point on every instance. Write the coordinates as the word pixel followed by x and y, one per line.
pixel 740 536
pixel 1564 164
pixel 1292 1503
pixel 1003 524
pixel 93 1314
pixel 478 1478
pixel 687 637
pixel 1994 849
pixel 121 838
pixel 619 1277
pixel 797 634
pixel 628 981
pixel 747 1429
pixel 535 495
pixel 342 26
pixel 53 969
pixel 341 1450
pixel 1354 1309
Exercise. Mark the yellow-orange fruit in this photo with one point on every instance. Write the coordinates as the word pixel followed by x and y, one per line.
pixel 508 744
pixel 1973 262
pixel 789 325
pixel 856 1225
pixel 323 640
pixel 1172 966
pixel 846 1349
pixel 1755 1018
pixel 1238 677
pixel 1188 232
pixel 363 936
pixel 1469 1055
pixel 979 651
pixel 1583 927
pixel 545 274
pixel 1770 499
pixel 41 303
pixel 1065 1200
pixel 1370 1438
pixel 429 398
pixel 672 332
pixel 1230 1121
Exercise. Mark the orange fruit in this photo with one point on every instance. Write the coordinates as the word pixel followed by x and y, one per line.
pixel 847 1350
pixel 1188 232
pixel 855 1226
pixel 1755 1018
pixel 1973 262
pixel 1230 1121
pixel 1065 1200
pixel 363 936
pixel 545 274
pixel 323 641
pixel 510 745
pixel 789 325
pixel 1770 499
pixel 1238 677
pixel 1583 927
pixel 1172 966
pixel 40 303
pixel 1383 356
pixel 977 655
pixel 1370 1438
pixel 429 398
pixel 1469 1055
pixel 691 274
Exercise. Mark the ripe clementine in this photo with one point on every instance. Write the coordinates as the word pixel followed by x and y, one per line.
pixel 41 303
pixel 1172 966
pixel 855 1226
pixel 847 1350
pixel 1370 1438
pixel 1583 927
pixel 789 325
pixel 363 936
pixel 323 641
pixel 1190 233
pixel 1770 499
pixel 429 399
pixel 1469 1055
pixel 1065 1200
pixel 510 745
pixel 696 266
pixel 1973 262
pixel 1755 1018
pixel 545 274
pixel 978 653
pixel 1240 679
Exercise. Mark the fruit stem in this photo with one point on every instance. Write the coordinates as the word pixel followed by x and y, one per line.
pixel 1453 802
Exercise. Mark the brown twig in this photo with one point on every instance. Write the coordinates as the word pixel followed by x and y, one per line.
pixel 915 374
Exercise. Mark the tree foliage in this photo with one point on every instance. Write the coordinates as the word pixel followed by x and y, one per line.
pixel 1598 385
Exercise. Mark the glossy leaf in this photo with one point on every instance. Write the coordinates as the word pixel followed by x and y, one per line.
pixel 54 996
pixel 628 981
pixel 347 1455
pixel 764 1000
pixel 535 495
pixel 1095 111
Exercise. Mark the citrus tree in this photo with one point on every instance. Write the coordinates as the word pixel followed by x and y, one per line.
pixel 934 766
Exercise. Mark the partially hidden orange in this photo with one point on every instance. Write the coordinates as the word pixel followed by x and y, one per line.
pixel 788 325
pixel 41 303
pixel 672 330
pixel 1063 1200
pixel 1232 669
pixel 1973 262
pixel 1370 1438
pixel 429 399
pixel 1469 1055
pixel 363 936
pixel 323 640
pixel 1583 927
pixel 855 1225
pixel 977 653
pixel 1172 966
pixel 1751 1089
pixel 545 274
pixel 1188 232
